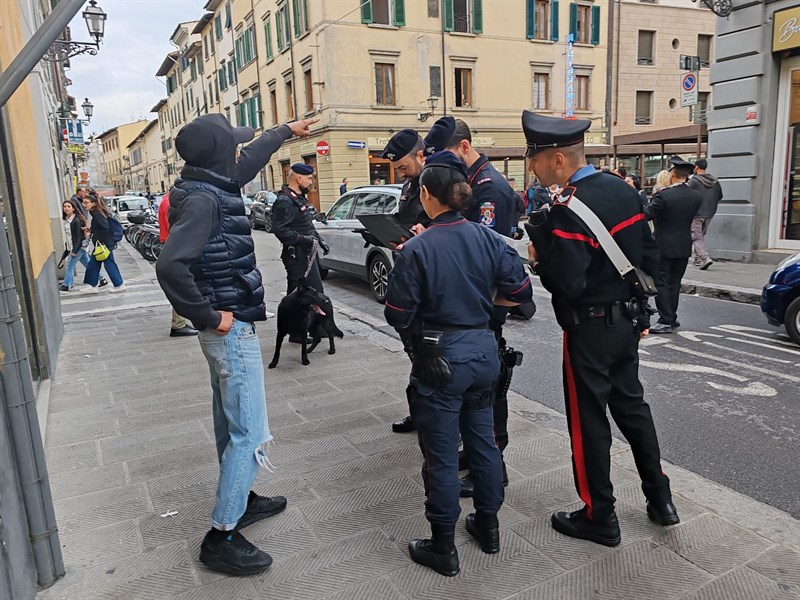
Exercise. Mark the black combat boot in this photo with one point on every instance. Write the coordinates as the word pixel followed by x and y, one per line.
pixel 485 528
pixel 404 425
pixel 439 553
pixel 663 512
pixel 576 524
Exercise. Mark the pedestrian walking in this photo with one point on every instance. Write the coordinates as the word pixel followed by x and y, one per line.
pixel 662 181
pixel 343 187
pixel 672 211
pixel 636 183
pixel 493 205
pixel 105 230
pixel 179 327
pixel 601 315
pixel 76 243
pixel 77 201
pixel 208 272
pixel 293 225
pixel 405 151
pixel 440 297
pixel 711 191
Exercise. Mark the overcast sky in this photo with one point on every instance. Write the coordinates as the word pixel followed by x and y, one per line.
pixel 120 81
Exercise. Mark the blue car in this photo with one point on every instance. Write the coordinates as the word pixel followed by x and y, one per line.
pixel 780 299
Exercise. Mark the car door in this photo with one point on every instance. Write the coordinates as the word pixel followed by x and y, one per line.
pixel 368 203
pixel 332 231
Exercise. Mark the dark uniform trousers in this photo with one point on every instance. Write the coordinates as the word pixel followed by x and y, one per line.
pixel 463 406
pixel 296 264
pixel 601 369
pixel 670 274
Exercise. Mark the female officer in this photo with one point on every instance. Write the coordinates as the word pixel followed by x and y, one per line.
pixel 440 297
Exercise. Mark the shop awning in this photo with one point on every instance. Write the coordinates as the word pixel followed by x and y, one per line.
pixel 674 135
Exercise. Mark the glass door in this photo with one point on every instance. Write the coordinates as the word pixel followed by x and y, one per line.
pixel 790 224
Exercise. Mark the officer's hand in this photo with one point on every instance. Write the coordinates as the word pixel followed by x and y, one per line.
pixel 325 247
pixel 643 334
pixel 397 246
pixel 307 240
pixel 225 323
pixel 302 128
pixel 417 229
pixel 532 251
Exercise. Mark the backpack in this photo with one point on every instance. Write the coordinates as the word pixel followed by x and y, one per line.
pixel 115 228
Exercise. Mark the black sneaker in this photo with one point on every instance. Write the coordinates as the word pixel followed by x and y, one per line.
pixel 230 553
pixel 63 288
pixel 260 507
pixel 576 524
pixel 404 425
pixel 103 282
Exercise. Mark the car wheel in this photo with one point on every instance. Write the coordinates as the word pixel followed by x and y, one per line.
pixel 268 223
pixel 792 320
pixel 323 273
pixel 379 277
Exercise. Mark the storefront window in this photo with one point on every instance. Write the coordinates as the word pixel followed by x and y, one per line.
pixel 790 225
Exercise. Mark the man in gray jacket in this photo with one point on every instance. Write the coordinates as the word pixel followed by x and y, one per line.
pixel 711 191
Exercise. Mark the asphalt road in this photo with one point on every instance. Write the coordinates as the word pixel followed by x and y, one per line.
pixel 724 391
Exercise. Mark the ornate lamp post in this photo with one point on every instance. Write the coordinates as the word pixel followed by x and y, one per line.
pixel 62 50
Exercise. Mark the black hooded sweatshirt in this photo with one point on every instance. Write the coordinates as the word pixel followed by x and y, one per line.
pixel 209 148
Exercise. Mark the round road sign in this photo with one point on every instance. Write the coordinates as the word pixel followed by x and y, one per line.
pixel 689 81
pixel 323 148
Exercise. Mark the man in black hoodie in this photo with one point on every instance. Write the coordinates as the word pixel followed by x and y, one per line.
pixel 711 191
pixel 208 272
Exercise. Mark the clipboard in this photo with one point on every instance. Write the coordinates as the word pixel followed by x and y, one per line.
pixel 386 228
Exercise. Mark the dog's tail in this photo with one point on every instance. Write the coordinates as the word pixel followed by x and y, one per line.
pixel 335 330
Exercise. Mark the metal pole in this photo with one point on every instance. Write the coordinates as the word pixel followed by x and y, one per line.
pixel 699 141
pixel 36 47
pixel 18 401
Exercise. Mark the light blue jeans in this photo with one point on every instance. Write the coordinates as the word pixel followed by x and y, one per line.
pixel 241 427
pixel 72 265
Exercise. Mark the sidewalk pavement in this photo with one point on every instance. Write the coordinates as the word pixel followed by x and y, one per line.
pixel 133 472
pixel 740 282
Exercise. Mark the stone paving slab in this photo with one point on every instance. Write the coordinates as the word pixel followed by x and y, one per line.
pixel 124 452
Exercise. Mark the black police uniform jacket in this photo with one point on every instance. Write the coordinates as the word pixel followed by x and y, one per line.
pixel 409 207
pixel 672 211
pixel 292 217
pixel 573 266
pixel 494 202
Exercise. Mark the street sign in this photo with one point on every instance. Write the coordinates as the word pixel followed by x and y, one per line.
pixel 357 145
pixel 75 148
pixel 74 131
pixel 689 62
pixel 323 148
pixel 689 92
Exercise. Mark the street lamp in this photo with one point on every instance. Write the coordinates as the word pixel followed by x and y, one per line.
pixel 433 102
pixel 65 49
pixel 88 109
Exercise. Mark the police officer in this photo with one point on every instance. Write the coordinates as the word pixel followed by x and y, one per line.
pixel 440 295
pixel 493 205
pixel 293 225
pixel 602 327
pixel 672 211
pixel 405 151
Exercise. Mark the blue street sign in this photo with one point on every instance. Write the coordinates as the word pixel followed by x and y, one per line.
pixel 688 82
pixel 358 145
pixel 74 131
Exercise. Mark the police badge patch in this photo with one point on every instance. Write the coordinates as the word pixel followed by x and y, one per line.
pixel 487 214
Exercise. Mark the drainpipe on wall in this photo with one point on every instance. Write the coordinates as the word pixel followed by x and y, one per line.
pixel 610 68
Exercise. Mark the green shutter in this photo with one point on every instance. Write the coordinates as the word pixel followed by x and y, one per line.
pixel 449 16
pixel 268 37
pixel 258 111
pixel 554 20
pixel 595 25
pixel 573 20
pixel 477 16
pixel 279 30
pixel 296 15
pixel 530 19
pixel 239 53
pixel 366 12
pixel 399 13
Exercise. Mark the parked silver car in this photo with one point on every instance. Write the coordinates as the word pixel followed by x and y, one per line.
pixel 349 253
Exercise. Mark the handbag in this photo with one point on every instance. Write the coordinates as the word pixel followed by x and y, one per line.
pixel 642 284
pixel 100 252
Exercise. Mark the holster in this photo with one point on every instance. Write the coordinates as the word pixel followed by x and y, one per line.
pixel 509 358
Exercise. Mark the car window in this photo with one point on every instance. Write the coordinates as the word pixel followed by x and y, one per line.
pixel 341 210
pixel 389 203
pixel 371 203
pixel 123 206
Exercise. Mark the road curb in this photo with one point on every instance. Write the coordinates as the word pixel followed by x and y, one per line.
pixel 721 292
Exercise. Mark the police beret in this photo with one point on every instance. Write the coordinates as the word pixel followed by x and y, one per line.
pixel 302 169
pixel 439 136
pixel 447 159
pixel 401 144
pixel 676 162
pixel 543 132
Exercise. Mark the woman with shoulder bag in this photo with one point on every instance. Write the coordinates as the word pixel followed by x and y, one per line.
pixel 74 224
pixel 105 232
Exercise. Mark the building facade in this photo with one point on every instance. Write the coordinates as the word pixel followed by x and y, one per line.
pixel 754 146
pixel 146 161
pixel 115 142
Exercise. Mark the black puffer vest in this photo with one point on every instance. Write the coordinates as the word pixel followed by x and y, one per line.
pixel 226 272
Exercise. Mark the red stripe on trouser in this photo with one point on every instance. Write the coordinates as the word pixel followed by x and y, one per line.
pixel 576 435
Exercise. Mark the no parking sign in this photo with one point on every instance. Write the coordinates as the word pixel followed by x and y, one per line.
pixel 689 95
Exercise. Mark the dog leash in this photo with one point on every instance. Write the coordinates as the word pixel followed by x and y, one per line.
pixel 312 256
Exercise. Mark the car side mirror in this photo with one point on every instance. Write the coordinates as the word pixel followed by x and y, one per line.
pixel 321 217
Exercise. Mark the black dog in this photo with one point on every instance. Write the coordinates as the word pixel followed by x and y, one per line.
pixel 321 324
pixel 293 312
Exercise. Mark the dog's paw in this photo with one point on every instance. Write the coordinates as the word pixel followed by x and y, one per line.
pixel 272 365
pixel 306 362
pixel 332 351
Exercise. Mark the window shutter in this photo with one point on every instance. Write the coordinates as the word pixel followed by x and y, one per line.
pixel 530 19
pixel 268 38
pixel 573 20
pixel 477 16
pixel 595 25
pixel 449 16
pixel 258 112
pixel 366 12
pixel 296 15
pixel 279 30
pixel 554 20
pixel 239 53
pixel 399 13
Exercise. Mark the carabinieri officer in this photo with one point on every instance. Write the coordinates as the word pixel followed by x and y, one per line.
pixel 602 321
pixel 293 225
pixel 441 292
